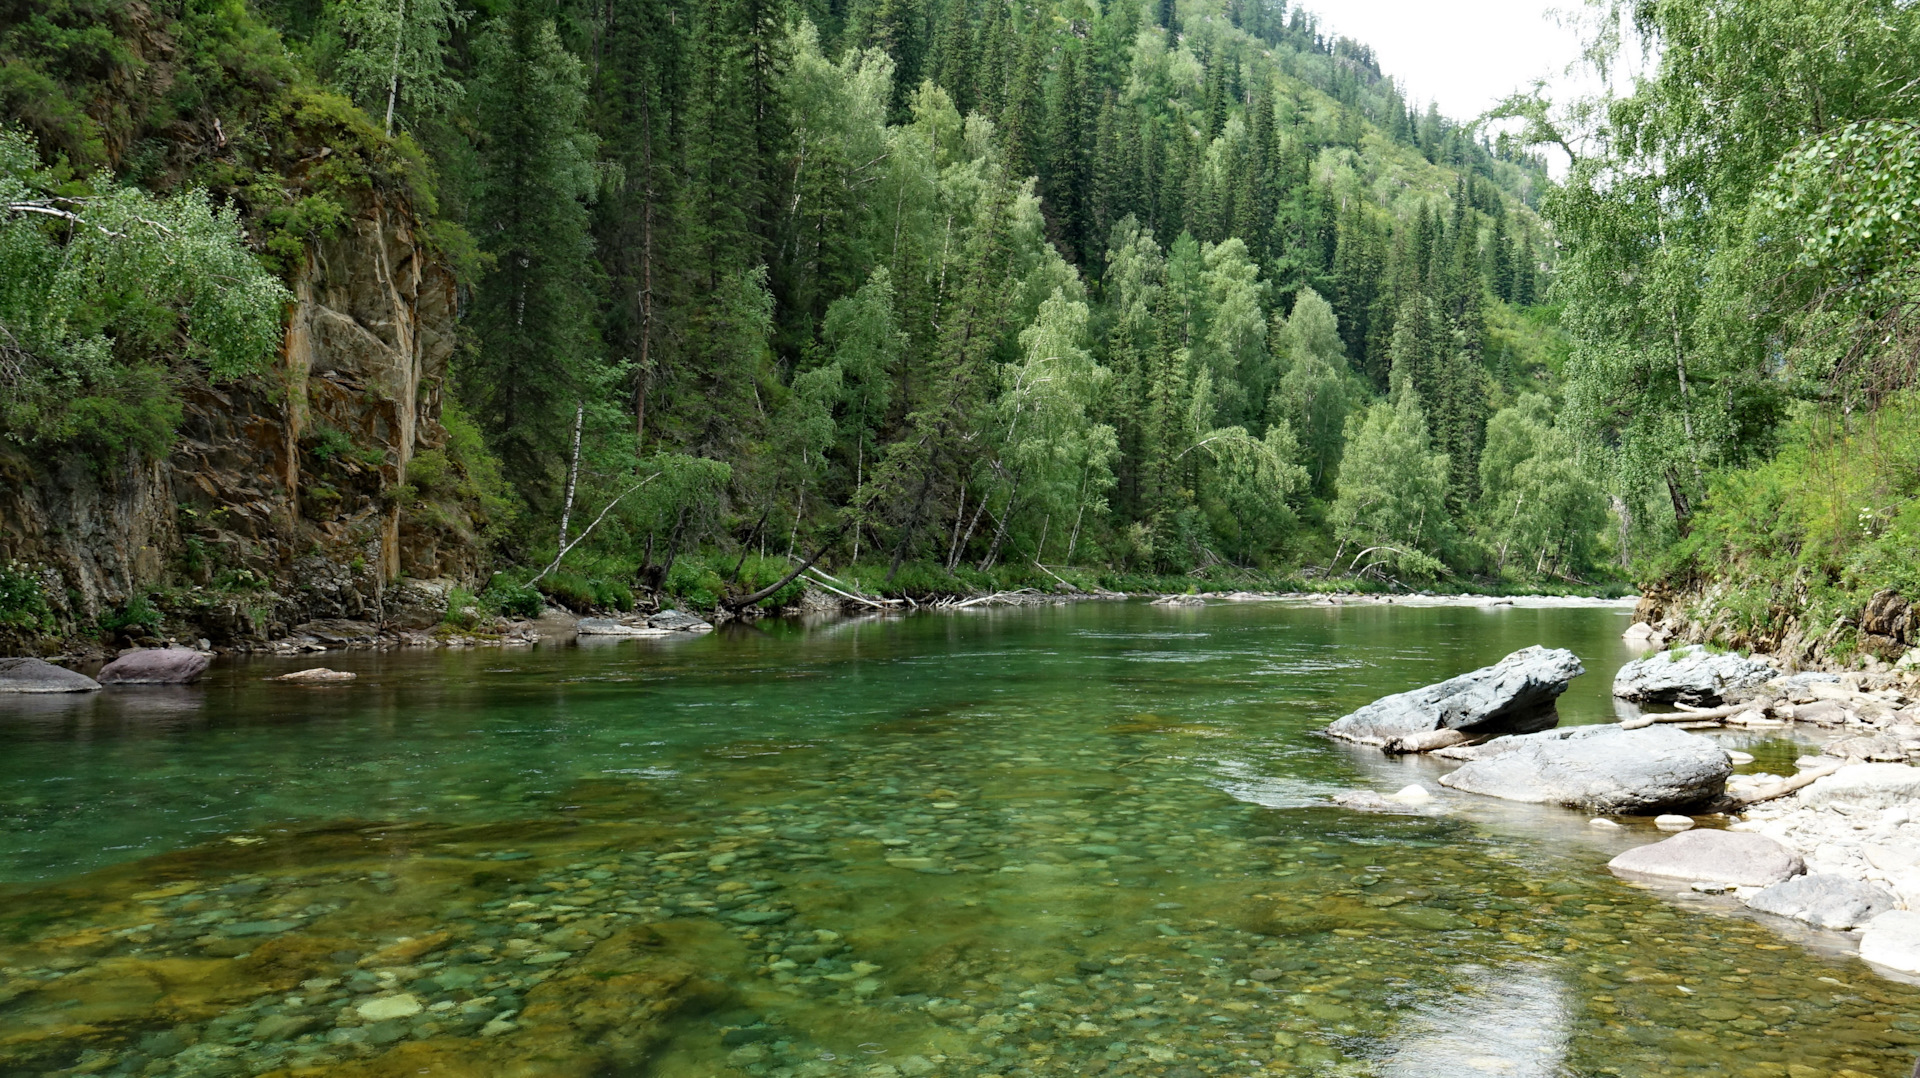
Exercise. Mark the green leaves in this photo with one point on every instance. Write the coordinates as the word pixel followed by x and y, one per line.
pixel 100 291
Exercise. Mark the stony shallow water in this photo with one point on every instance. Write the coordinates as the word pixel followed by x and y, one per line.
pixel 1091 839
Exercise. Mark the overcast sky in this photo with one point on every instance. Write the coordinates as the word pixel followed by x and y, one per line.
pixel 1466 56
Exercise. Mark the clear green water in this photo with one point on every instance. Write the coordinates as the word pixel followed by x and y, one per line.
pixel 1090 839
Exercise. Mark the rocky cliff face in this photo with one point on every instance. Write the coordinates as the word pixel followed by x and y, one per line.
pixel 286 498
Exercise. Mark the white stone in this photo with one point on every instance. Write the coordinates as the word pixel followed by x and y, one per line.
pixel 1673 822
pixel 404 1005
pixel 1739 757
pixel 1893 940
pixel 1415 794
pixel 1603 824
pixel 1875 786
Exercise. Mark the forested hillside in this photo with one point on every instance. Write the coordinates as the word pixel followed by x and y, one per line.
pixel 937 289
pixel 1738 275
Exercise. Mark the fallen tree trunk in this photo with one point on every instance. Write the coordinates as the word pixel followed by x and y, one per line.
pixel 1427 741
pixel 1786 786
pixel 737 605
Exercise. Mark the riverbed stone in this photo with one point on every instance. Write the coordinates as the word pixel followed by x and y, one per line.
pixel 1893 940
pixel 154 666
pixel 1689 675
pixel 1515 695
pixel 383 1008
pixel 1604 769
pixel 39 676
pixel 1740 858
pixel 1872 786
pixel 1824 900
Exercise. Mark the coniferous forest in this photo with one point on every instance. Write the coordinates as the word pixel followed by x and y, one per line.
pixel 951 292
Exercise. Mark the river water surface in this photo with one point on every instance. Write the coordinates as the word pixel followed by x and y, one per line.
pixel 1089 839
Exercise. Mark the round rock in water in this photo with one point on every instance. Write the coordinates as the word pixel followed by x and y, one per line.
pixel 1741 858
pixel 154 666
pixel 1893 940
pixel 37 675
pixel 1673 822
pixel 1515 695
pixel 1823 900
pixel 1689 675
pixel 1600 769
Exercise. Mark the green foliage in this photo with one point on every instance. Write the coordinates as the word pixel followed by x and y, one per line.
pixel 1391 509
pixel 1542 508
pixel 583 594
pixel 23 602
pixel 463 610
pixel 512 599
pixel 393 59
pixel 695 583
pixel 99 288
pixel 138 615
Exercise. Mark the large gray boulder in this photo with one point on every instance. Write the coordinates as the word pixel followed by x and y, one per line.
pixel 38 675
pixel 154 666
pixel 1823 900
pixel 1689 675
pixel 1515 695
pixel 1602 769
pixel 1740 858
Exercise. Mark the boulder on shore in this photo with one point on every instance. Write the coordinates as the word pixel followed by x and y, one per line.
pixel 1513 696
pixel 1824 900
pixel 1740 858
pixel 38 675
pixel 610 627
pixel 1866 786
pixel 1689 675
pixel 677 621
pixel 154 666
pixel 1893 940
pixel 1602 769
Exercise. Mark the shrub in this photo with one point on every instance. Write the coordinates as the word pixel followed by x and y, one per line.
pixel 695 584
pixel 511 599
pixel 137 614
pixel 23 603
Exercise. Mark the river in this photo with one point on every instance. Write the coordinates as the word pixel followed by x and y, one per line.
pixel 1085 839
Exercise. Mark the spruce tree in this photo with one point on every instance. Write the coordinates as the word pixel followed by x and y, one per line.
pixel 537 358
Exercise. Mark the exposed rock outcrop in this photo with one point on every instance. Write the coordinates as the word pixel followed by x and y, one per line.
pixel 285 498
pixel 1599 769
pixel 1515 695
pixel 1689 675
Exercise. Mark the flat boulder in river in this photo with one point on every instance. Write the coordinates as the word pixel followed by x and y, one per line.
pixel 1602 769
pixel 154 666
pixel 1689 675
pixel 38 675
pixel 1741 858
pixel 1825 901
pixel 1513 696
